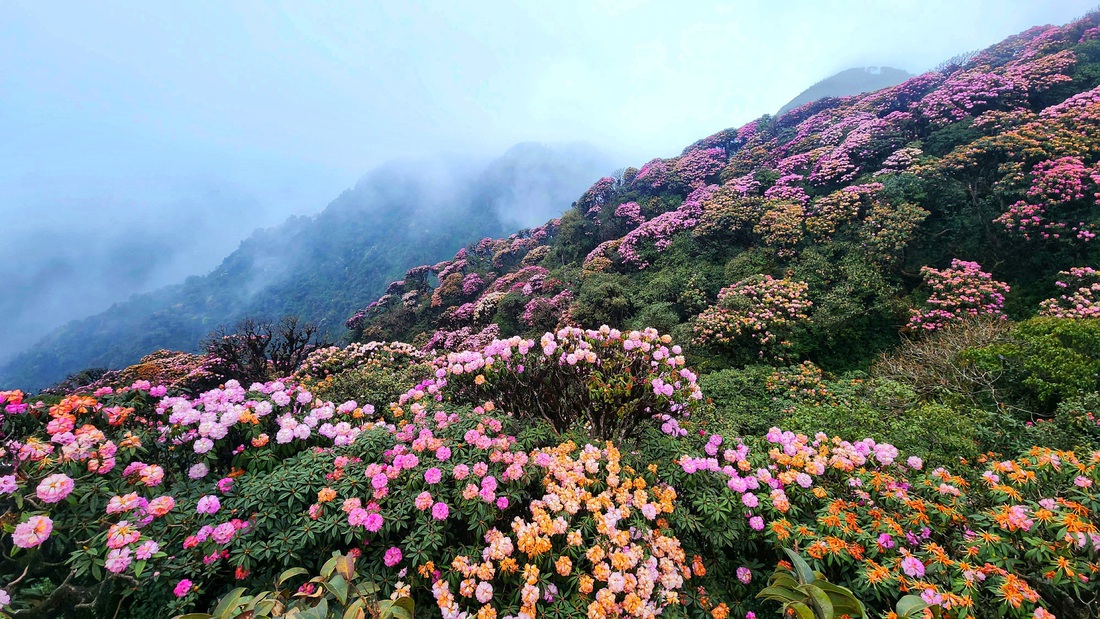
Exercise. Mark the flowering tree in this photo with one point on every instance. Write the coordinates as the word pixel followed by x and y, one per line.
pixel 1082 302
pixel 698 167
pixel 760 309
pixel 607 381
pixel 662 228
pixel 1059 188
pixel 959 292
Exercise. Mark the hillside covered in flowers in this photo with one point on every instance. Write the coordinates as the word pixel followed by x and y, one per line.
pixel 844 362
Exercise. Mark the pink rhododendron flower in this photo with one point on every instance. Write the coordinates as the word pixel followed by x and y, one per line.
pixel 198 471
pixel 208 504
pixel 223 533
pixel 33 532
pixel 146 550
pixel 373 522
pixel 118 560
pixel 161 505
pixel 440 511
pixel 54 488
pixel 913 567
pixel 392 556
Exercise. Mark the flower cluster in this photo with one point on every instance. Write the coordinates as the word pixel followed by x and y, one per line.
pixel 331 360
pixel 653 176
pixel 959 292
pixel 575 542
pixel 760 309
pixel 631 212
pixel 547 311
pixel 1057 184
pixel 661 229
pixel 624 378
pixel 699 166
pixel 1082 302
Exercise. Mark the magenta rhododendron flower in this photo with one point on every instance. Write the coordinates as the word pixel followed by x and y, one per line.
pixel 392 556
pixel 373 522
pixel 182 588
pixel 440 511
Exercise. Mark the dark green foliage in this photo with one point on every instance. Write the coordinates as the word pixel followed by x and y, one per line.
pixel 1046 361
pixel 372 384
pixel 605 299
pixel 740 400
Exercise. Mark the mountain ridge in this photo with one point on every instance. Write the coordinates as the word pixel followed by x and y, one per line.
pixel 316 266
pixel 854 81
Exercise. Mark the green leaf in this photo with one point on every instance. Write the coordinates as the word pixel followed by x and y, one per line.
pixel 406 603
pixel 801 568
pixel 338 587
pixel 228 603
pixel 355 610
pixel 911 606
pixel 291 573
pixel 800 609
pixel 329 567
pixel 781 594
pixel 821 602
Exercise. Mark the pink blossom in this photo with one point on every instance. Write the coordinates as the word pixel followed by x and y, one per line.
pixel 146 550
pixel 118 560
pixel 912 567
pixel 208 504
pixel 54 488
pixel 440 511
pixel 182 588
pixel 33 532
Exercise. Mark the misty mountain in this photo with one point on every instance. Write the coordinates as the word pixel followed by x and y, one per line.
pixel 324 266
pixel 849 82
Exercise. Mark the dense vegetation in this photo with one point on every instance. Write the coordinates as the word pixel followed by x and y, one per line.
pixel 864 331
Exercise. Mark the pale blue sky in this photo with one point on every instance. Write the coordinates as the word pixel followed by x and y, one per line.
pixel 182 126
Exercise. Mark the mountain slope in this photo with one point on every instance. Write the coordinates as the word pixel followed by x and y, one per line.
pixel 323 267
pixel 818 235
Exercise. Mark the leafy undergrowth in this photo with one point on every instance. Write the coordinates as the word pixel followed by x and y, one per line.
pixel 149 503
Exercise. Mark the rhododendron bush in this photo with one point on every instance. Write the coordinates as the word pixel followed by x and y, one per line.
pixel 462 495
pixel 959 292
pixel 761 310
pixel 1082 298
